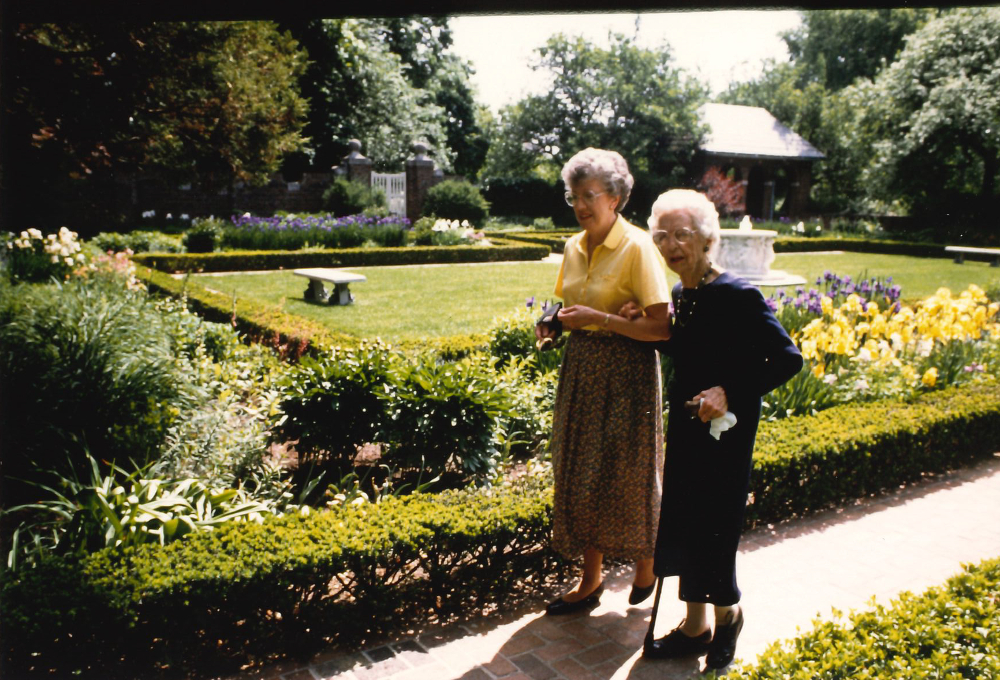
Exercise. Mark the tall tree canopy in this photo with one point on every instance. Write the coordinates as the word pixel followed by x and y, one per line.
pixel 387 82
pixel 813 92
pixel 834 48
pixel 209 102
pixel 936 112
pixel 627 98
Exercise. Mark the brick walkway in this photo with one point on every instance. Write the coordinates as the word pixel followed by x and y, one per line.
pixel 909 540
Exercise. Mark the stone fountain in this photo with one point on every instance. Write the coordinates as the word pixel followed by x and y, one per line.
pixel 749 252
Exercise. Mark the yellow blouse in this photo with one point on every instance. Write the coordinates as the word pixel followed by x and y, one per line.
pixel 627 266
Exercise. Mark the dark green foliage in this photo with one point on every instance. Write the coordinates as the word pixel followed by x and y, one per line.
pixel 344 574
pixel 807 463
pixel 947 632
pixel 454 200
pixel 87 365
pixel 445 415
pixel 527 196
pixel 344 197
pixel 137 242
pixel 331 403
pixel 554 240
pixel 374 568
pixel 347 257
pixel 204 236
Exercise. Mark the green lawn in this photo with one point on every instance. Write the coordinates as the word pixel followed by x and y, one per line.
pixel 918 276
pixel 407 303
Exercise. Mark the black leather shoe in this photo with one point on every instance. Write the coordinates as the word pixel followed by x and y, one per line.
pixel 638 594
pixel 561 606
pixel 676 644
pixel 723 646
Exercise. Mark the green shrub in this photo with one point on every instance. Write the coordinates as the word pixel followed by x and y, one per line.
pixel 204 235
pixel 30 256
pixel 500 251
pixel 137 242
pixel 947 632
pixel 513 336
pixel 330 404
pixel 209 602
pixel 345 197
pixel 454 200
pixel 85 366
pixel 445 415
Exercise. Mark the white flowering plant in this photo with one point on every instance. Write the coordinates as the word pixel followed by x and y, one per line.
pixel 32 256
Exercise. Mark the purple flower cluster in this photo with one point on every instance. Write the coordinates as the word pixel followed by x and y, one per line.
pixel 327 222
pixel 837 288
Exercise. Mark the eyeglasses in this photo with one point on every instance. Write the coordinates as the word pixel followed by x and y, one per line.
pixel 587 198
pixel 679 235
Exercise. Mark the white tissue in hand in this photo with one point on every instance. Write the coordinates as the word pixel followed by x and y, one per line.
pixel 721 424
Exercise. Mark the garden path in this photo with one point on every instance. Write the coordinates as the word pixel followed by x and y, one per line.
pixel 911 539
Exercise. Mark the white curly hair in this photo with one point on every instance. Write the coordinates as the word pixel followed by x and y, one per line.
pixel 697 206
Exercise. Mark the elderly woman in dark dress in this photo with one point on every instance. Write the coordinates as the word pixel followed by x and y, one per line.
pixel 728 350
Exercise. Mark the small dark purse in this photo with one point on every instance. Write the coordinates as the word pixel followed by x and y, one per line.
pixel 549 320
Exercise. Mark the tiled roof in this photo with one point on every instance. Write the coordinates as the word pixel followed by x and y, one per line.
pixel 751 131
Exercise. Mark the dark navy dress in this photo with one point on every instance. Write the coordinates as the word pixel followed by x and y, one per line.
pixel 733 340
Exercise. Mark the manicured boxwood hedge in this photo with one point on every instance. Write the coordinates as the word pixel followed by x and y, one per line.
pixel 782 244
pixel 555 240
pixel 299 582
pixel 790 244
pixel 950 631
pixel 253 260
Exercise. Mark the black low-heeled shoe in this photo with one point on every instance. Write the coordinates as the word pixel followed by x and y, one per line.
pixel 639 594
pixel 561 606
pixel 723 646
pixel 676 644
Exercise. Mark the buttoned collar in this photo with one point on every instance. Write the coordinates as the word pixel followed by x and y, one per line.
pixel 611 241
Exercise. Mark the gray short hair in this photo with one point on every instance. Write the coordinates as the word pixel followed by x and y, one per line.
pixel 607 166
pixel 699 208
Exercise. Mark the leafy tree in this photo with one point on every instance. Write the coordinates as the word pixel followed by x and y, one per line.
pixel 836 47
pixel 90 104
pixel 936 112
pixel 625 97
pixel 387 82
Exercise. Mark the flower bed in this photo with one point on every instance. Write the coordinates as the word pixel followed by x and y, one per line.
pixel 292 232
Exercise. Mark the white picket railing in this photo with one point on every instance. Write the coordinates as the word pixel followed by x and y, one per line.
pixel 394 186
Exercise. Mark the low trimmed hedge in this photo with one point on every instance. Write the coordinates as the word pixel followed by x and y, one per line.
pixel 791 244
pixel 949 631
pixel 295 583
pixel 783 244
pixel 807 463
pixel 256 260
pixel 253 590
pixel 555 240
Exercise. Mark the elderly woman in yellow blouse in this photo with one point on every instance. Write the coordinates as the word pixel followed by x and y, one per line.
pixel 607 439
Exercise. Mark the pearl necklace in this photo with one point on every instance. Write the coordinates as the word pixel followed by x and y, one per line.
pixel 685 307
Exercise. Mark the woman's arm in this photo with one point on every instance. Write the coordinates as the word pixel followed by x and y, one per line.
pixel 771 359
pixel 655 325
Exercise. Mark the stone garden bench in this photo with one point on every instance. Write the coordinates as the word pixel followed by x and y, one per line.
pixel 961 251
pixel 319 276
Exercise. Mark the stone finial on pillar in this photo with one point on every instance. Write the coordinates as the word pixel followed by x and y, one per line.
pixel 357 167
pixel 419 179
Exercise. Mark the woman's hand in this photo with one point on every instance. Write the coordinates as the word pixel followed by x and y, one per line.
pixel 631 311
pixel 576 317
pixel 713 403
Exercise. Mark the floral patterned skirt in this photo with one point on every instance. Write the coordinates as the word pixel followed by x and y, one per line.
pixel 607 447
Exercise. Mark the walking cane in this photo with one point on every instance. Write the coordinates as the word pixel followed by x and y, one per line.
pixel 648 642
